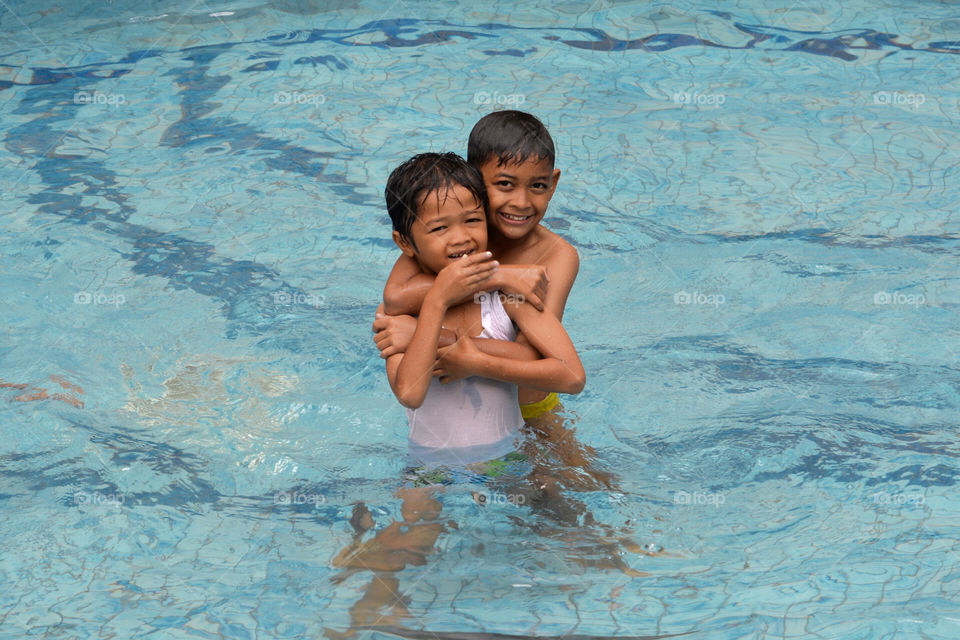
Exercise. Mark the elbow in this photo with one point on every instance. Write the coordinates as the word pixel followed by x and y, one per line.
pixel 392 302
pixel 575 387
pixel 410 398
pixel 577 381
pixel 411 404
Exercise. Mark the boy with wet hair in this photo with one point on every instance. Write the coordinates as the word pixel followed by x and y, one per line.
pixel 515 154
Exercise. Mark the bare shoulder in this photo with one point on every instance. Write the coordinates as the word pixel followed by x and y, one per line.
pixel 558 255
pixel 563 264
pixel 551 249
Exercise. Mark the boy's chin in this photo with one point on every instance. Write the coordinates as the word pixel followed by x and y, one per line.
pixel 514 231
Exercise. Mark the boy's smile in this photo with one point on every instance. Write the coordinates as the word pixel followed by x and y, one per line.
pixel 450 224
pixel 519 194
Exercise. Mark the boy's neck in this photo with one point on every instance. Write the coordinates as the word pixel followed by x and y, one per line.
pixel 498 244
pixel 424 268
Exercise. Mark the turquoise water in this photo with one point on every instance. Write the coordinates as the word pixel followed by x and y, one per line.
pixel 764 199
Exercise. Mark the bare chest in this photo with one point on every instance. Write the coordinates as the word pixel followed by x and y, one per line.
pixel 465 319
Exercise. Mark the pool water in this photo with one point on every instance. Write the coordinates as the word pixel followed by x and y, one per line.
pixel 764 197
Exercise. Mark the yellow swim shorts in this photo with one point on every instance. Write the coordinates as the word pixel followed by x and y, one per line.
pixel 537 409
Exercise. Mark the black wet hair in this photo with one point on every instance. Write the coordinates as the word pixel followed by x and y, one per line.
pixel 412 182
pixel 509 136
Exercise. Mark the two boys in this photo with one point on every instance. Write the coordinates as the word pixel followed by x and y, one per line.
pixel 515 156
pixel 438 205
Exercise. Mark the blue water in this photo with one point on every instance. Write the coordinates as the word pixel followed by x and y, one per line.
pixel 764 197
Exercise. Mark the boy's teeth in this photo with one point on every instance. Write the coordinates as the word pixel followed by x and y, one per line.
pixel 511 217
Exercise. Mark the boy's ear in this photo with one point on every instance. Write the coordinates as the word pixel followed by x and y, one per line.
pixel 405 245
pixel 554 181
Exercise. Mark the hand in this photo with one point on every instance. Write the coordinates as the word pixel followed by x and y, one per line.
pixel 527 281
pixel 455 362
pixel 459 279
pixel 393 333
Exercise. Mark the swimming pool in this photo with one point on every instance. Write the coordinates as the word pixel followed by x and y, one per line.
pixel 764 199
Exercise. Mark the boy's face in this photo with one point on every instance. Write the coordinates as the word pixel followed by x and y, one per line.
pixel 450 224
pixel 519 194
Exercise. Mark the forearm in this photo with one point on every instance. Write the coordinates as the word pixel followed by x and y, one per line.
pixel 545 374
pixel 416 368
pixel 506 349
pixel 407 287
pixel 408 298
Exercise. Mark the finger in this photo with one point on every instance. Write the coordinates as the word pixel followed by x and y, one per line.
pixel 381 323
pixel 388 350
pixel 476 258
pixel 486 267
pixel 380 311
pixel 478 280
pixel 536 302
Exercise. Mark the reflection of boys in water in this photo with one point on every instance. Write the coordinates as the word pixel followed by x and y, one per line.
pixel 410 542
pixel 32 393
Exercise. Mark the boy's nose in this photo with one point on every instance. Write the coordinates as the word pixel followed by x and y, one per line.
pixel 520 199
pixel 459 235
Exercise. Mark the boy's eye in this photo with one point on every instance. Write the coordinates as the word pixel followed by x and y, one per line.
pixel 436 229
pixel 504 184
pixel 540 186
pixel 476 219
